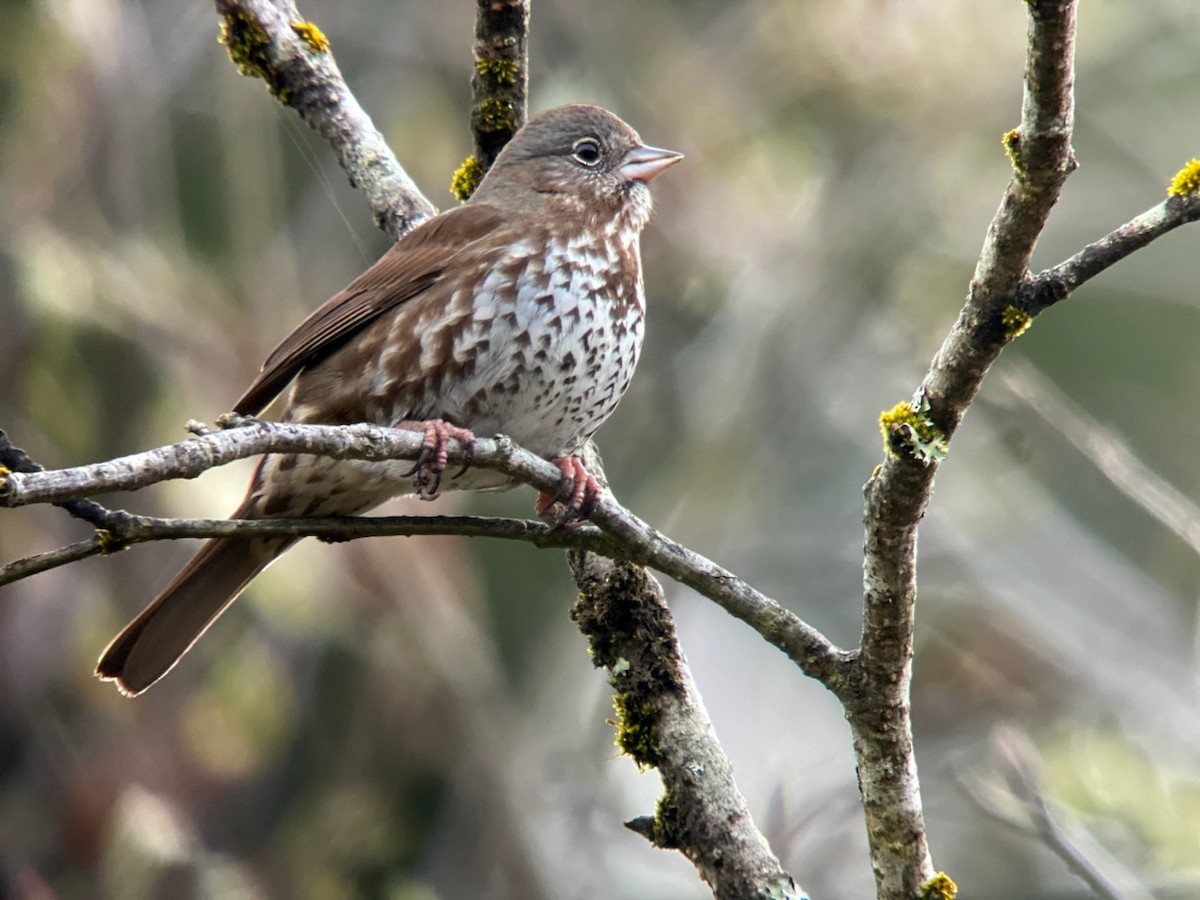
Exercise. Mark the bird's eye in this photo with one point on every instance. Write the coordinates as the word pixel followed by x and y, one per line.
pixel 586 152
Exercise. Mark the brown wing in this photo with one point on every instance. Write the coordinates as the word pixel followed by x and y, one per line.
pixel 410 267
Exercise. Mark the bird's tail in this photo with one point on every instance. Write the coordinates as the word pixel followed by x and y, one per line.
pixel 166 629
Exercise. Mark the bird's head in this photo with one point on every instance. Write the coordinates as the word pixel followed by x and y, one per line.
pixel 576 158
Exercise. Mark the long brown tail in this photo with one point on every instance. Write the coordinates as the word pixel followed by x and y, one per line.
pixel 166 629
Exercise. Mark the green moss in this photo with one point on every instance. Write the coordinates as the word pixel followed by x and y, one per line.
pixel 908 432
pixel 1012 148
pixel 499 71
pixel 666 822
pixel 466 178
pixel 1015 320
pixel 1186 180
pixel 939 887
pixel 248 45
pixel 635 735
pixel 496 115
pixel 246 42
pixel 312 35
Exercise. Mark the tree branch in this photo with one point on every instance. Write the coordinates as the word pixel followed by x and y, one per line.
pixel 877 700
pixel 662 723
pixel 500 83
pixel 1056 284
pixel 123 530
pixel 627 536
pixel 270 40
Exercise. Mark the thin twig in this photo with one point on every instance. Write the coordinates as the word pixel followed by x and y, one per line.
pixel 127 529
pixel 51 559
pixel 1057 283
pixel 1106 450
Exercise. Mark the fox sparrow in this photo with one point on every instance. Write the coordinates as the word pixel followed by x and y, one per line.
pixel 519 312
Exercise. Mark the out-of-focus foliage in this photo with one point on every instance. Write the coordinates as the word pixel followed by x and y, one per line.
pixel 416 718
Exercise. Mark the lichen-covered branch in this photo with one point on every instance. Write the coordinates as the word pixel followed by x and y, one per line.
pixel 500 83
pixel 499 87
pixel 270 40
pixel 877 699
pixel 661 723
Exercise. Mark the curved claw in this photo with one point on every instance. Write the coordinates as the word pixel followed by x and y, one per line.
pixel 585 491
pixel 435 453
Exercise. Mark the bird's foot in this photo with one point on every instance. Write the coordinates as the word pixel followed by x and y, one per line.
pixel 584 489
pixel 426 473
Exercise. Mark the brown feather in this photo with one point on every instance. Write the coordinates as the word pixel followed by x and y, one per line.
pixel 408 269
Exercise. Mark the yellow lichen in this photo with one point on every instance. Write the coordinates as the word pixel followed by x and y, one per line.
pixel 1186 180
pixel 1012 147
pixel 501 71
pixel 109 542
pixel 939 887
pixel 466 178
pixel 312 35
pixel 496 115
pixel 1015 320
pixel 906 428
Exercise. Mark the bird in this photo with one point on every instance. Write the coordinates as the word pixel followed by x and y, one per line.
pixel 520 312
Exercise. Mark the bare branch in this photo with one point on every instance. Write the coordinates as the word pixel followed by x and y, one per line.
pixel 51 559
pixel 1053 285
pixel 271 40
pixel 14 459
pixel 125 529
pixel 662 723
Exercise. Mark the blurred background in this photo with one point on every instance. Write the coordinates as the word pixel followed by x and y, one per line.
pixel 417 718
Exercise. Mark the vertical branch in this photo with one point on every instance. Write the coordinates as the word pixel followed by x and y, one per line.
pixel 500 83
pixel 499 86
pixel 916 436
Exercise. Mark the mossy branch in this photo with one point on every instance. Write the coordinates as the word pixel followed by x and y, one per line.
pixel 500 80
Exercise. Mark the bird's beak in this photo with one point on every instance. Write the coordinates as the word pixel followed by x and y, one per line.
pixel 646 163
